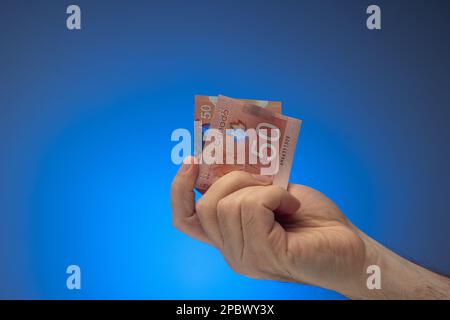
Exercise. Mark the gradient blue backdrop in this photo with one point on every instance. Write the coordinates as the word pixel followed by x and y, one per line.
pixel 86 118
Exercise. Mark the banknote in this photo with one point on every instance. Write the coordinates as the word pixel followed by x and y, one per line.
pixel 252 139
pixel 205 107
pixel 204 110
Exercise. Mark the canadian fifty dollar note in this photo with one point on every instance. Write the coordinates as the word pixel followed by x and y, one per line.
pixel 245 135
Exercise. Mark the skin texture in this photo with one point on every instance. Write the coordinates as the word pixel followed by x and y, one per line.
pixel 295 235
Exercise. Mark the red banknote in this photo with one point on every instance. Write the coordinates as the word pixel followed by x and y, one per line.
pixel 245 135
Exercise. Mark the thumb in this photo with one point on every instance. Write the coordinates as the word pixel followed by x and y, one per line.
pixel 187 174
pixel 182 200
pixel 182 197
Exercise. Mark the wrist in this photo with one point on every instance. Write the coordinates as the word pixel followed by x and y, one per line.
pixel 399 278
pixel 379 262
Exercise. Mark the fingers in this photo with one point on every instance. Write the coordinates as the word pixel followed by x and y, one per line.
pixel 248 227
pixel 229 219
pixel 182 199
pixel 257 210
pixel 206 207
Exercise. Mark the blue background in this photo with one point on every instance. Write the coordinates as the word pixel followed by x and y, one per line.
pixel 86 118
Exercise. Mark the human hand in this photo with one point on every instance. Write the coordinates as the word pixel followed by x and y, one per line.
pixel 264 232
pixel 298 235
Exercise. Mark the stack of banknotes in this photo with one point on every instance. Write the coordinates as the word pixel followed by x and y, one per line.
pixel 245 135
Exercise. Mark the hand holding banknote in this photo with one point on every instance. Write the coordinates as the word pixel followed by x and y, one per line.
pixel 298 235
pixel 266 228
pixel 243 135
pixel 266 232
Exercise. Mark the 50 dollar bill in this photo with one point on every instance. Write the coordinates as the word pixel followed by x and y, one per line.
pixel 245 135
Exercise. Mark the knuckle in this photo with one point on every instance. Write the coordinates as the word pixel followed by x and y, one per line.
pixel 229 261
pixel 273 189
pixel 235 266
pixel 227 208
pixel 177 224
pixel 239 175
pixel 223 205
pixel 250 200
pixel 250 272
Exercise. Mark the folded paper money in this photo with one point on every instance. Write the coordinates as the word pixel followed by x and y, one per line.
pixel 245 135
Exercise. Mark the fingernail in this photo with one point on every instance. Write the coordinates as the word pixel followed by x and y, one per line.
pixel 263 179
pixel 187 162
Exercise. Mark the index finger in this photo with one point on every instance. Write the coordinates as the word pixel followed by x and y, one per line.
pixel 229 183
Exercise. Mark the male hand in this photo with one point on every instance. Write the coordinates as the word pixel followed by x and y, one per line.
pixel 266 232
pixel 295 235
